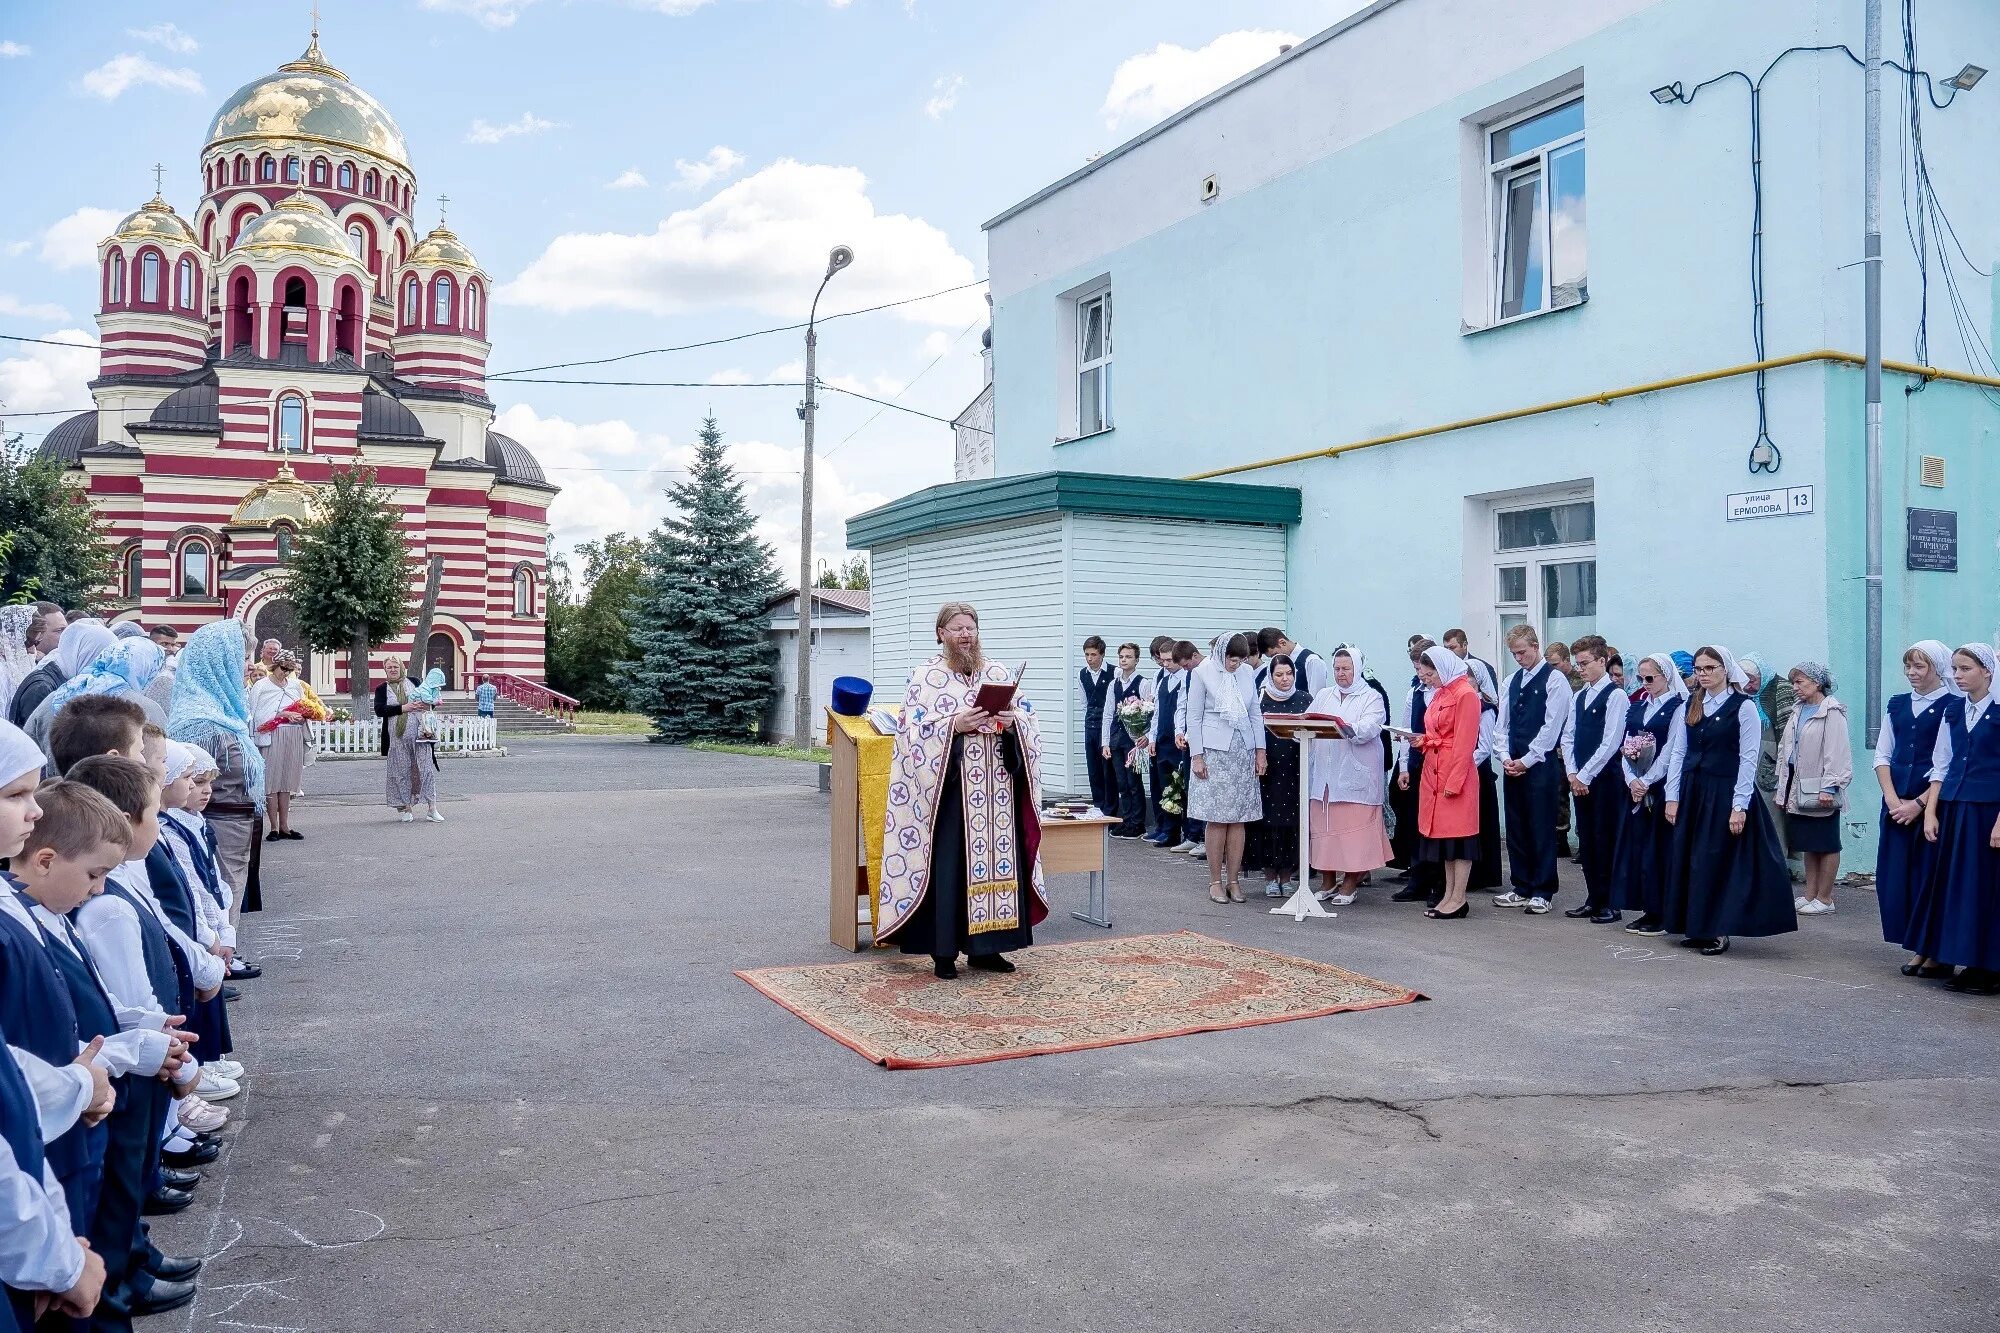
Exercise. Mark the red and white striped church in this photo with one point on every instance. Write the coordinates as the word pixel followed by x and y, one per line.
pixel 299 324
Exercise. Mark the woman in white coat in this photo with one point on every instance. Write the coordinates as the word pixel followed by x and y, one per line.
pixel 1347 783
pixel 1225 738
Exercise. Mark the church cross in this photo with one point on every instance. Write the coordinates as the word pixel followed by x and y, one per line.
pixel 159 172
pixel 315 14
pixel 443 200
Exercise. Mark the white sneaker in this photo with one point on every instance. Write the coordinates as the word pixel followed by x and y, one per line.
pixel 1799 904
pixel 1537 905
pixel 1183 847
pixel 1273 889
pixel 405 817
pixel 200 1116
pixel 1199 853
pixel 1815 908
pixel 434 817
pixel 1510 899
pixel 229 1069
pixel 214 1087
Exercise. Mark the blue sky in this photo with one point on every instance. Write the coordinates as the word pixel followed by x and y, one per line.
pixel 637 173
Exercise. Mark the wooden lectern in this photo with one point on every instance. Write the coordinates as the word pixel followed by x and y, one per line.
pixel 859 795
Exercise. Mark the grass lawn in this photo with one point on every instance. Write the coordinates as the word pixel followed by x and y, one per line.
pixel 612 724
pixel 818 754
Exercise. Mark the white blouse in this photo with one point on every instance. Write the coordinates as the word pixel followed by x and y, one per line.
pixel 1941 752
pixel 267 697
pixel 1749 736
pixel 1349 770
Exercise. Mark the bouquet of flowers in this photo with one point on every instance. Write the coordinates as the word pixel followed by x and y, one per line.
pixel 1641 750
pixel 1136 716
pixel 306 708
pixel 1174 799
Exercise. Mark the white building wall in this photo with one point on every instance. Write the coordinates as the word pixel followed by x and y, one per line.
pixel 841 650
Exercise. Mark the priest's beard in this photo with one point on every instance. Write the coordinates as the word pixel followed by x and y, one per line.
pixel 966 662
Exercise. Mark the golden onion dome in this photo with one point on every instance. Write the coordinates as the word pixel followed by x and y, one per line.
pixel 284 497
pixel 441 247
pixel 155 221
pixel 309 100
pixel 298 222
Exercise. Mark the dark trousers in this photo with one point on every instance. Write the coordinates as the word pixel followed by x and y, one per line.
pixel 1131 788
pixel 1531 828
pixel 131 1159
pixel 1103 782
pixel 1166 826
pixel 1599 816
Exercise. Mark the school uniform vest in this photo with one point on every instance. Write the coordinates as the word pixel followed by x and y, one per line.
pixel 1420 708
pixel 1166 708
pixel 1528 709
pixel 1915 737
pixel 1661 728
pixel 170 886
pixel 1121 739
pixel 164 969
pixel 1974 774
pixel 1711 742
pixel 203 858
pixel 21 1126
pixel 1590 726
pixel 1299 660
pixel 36 1015
pixel 1093 698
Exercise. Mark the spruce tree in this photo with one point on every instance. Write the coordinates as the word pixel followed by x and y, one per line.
pixel 705 667
pixel 350 573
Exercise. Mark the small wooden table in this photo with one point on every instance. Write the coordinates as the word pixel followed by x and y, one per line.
pixel 1081 846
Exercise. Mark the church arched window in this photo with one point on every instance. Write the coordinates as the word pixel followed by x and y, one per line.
pixel 267 169
pixel 149 278
pixel 357 241
pixel 441 291
pixel 283 535
pixel 242 169
pixel 114 289
pixel 184 283
pixel 524 591
pixel 472 305
pixel 289 436
pixel 371 184
pixel 131 572
pixel 412 299
pixel 347 175
pixel 291 171
pixel 193 569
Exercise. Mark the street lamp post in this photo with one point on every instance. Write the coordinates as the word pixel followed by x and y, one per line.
pixel 802 730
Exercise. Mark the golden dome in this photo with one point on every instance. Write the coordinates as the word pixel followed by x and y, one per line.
pixel 298 222
pixel 310 100
pixel 155 221
pixel 283 498
pixel 442 246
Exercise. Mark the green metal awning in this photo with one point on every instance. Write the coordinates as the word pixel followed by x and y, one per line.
pixel 962 504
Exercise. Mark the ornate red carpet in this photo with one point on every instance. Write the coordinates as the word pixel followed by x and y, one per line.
pixel 1064 997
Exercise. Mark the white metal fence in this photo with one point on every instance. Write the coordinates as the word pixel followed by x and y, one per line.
pixel 363 736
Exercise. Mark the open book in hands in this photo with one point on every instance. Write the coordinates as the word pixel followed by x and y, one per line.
pixel 997 697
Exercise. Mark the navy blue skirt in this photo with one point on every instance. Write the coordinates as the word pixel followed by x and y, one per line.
pixel 1639 870
pixel 1902 863
pixel 1956 917
pixel 1723 883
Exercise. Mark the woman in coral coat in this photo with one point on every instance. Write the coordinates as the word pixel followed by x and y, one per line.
pixel 1448 803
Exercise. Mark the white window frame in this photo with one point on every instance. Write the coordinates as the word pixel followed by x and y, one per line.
pixel 1532 558
pixel 1072 365
pixel 304 445
pixel 1499 175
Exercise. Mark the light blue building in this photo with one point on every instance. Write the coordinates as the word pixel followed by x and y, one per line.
pixel 1477 282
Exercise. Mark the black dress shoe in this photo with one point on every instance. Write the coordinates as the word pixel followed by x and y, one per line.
pixel 166 1200
pixel 944 969
pixel 242 971
pixel 293 835
pixel 1580 912
pixel 1718 945
pixel 167 1269
pixel 274 836
pixel 199 1155
pixel 1607 916
pixel 176 1179
pixel 1973 981
pixel 1409 895
pixel 1694 942
pixel 230 992
pixel 991 962
pixel 160 1297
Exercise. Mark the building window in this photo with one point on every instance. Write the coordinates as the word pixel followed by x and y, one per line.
pixel 524 592
pixel 347 175
pixel 192 570
pixel 291 171
pixel 131 571
pixel 1536 170
pixel 1093 364
pixel 290 437
pixel 357 242
pixel 472 305
pixel 184 284
pixel 282 535
pixel 115 288
pixel 371 184
pixel 412 299
pixel 1545 567
pixel 149 278
pixel 267 169
pixel 242 170
pixel 319 171
pixel 441 300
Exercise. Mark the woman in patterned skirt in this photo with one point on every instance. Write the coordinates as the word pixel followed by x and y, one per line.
pixel 1225 737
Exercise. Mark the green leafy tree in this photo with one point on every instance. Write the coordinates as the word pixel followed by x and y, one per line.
pixel 852 576
pixel 350 573
pixel 592 634
pixel 54 552
pixel 703 666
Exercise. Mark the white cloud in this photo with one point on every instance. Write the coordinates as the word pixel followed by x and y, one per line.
pixel 673 8
pixel 944 96
pixel 629 179
pixel 1156 83
pixel 14 248
pixel 937 343
pixel 526 123
pixel 492 13
pixel 14 306
pixel 167 35
pixel 71 242
pixel 760 245
pixel 121 73
pixel 720 164
pixel 12 50
pixel 48 379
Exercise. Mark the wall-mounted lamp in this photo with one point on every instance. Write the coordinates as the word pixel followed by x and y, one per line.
pixel 1966 78
pixel 1667 95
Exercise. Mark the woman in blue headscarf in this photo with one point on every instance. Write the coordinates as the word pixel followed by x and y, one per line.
pixel 211 709
pixel 122 670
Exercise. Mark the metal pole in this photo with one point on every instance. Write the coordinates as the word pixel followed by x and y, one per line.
pixel 802 730
pixel 1872 266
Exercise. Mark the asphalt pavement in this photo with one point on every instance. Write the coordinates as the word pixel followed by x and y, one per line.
pixel 502 1078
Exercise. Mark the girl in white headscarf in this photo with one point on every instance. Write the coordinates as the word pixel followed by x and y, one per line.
pixel 1903 746
pixel 1225 733
pixel 1955 920
pixel 1347 783
pixel 1726 875
pixel 1639 870
pixel 20 773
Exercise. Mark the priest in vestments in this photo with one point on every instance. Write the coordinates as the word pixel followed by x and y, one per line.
pixel 960 869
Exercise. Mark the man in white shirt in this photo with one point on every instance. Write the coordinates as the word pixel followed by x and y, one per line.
pixel 1118 744
pixel 1534 704
pixel 1593 735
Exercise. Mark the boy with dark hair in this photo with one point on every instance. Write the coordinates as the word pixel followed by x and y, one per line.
pixel 1094 681
pixel 1308 667
pixel 1593 734
pixel 1117 744
pixel 1534 705
pixel 1457 640
pixel 1187 656
pixel 96 724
